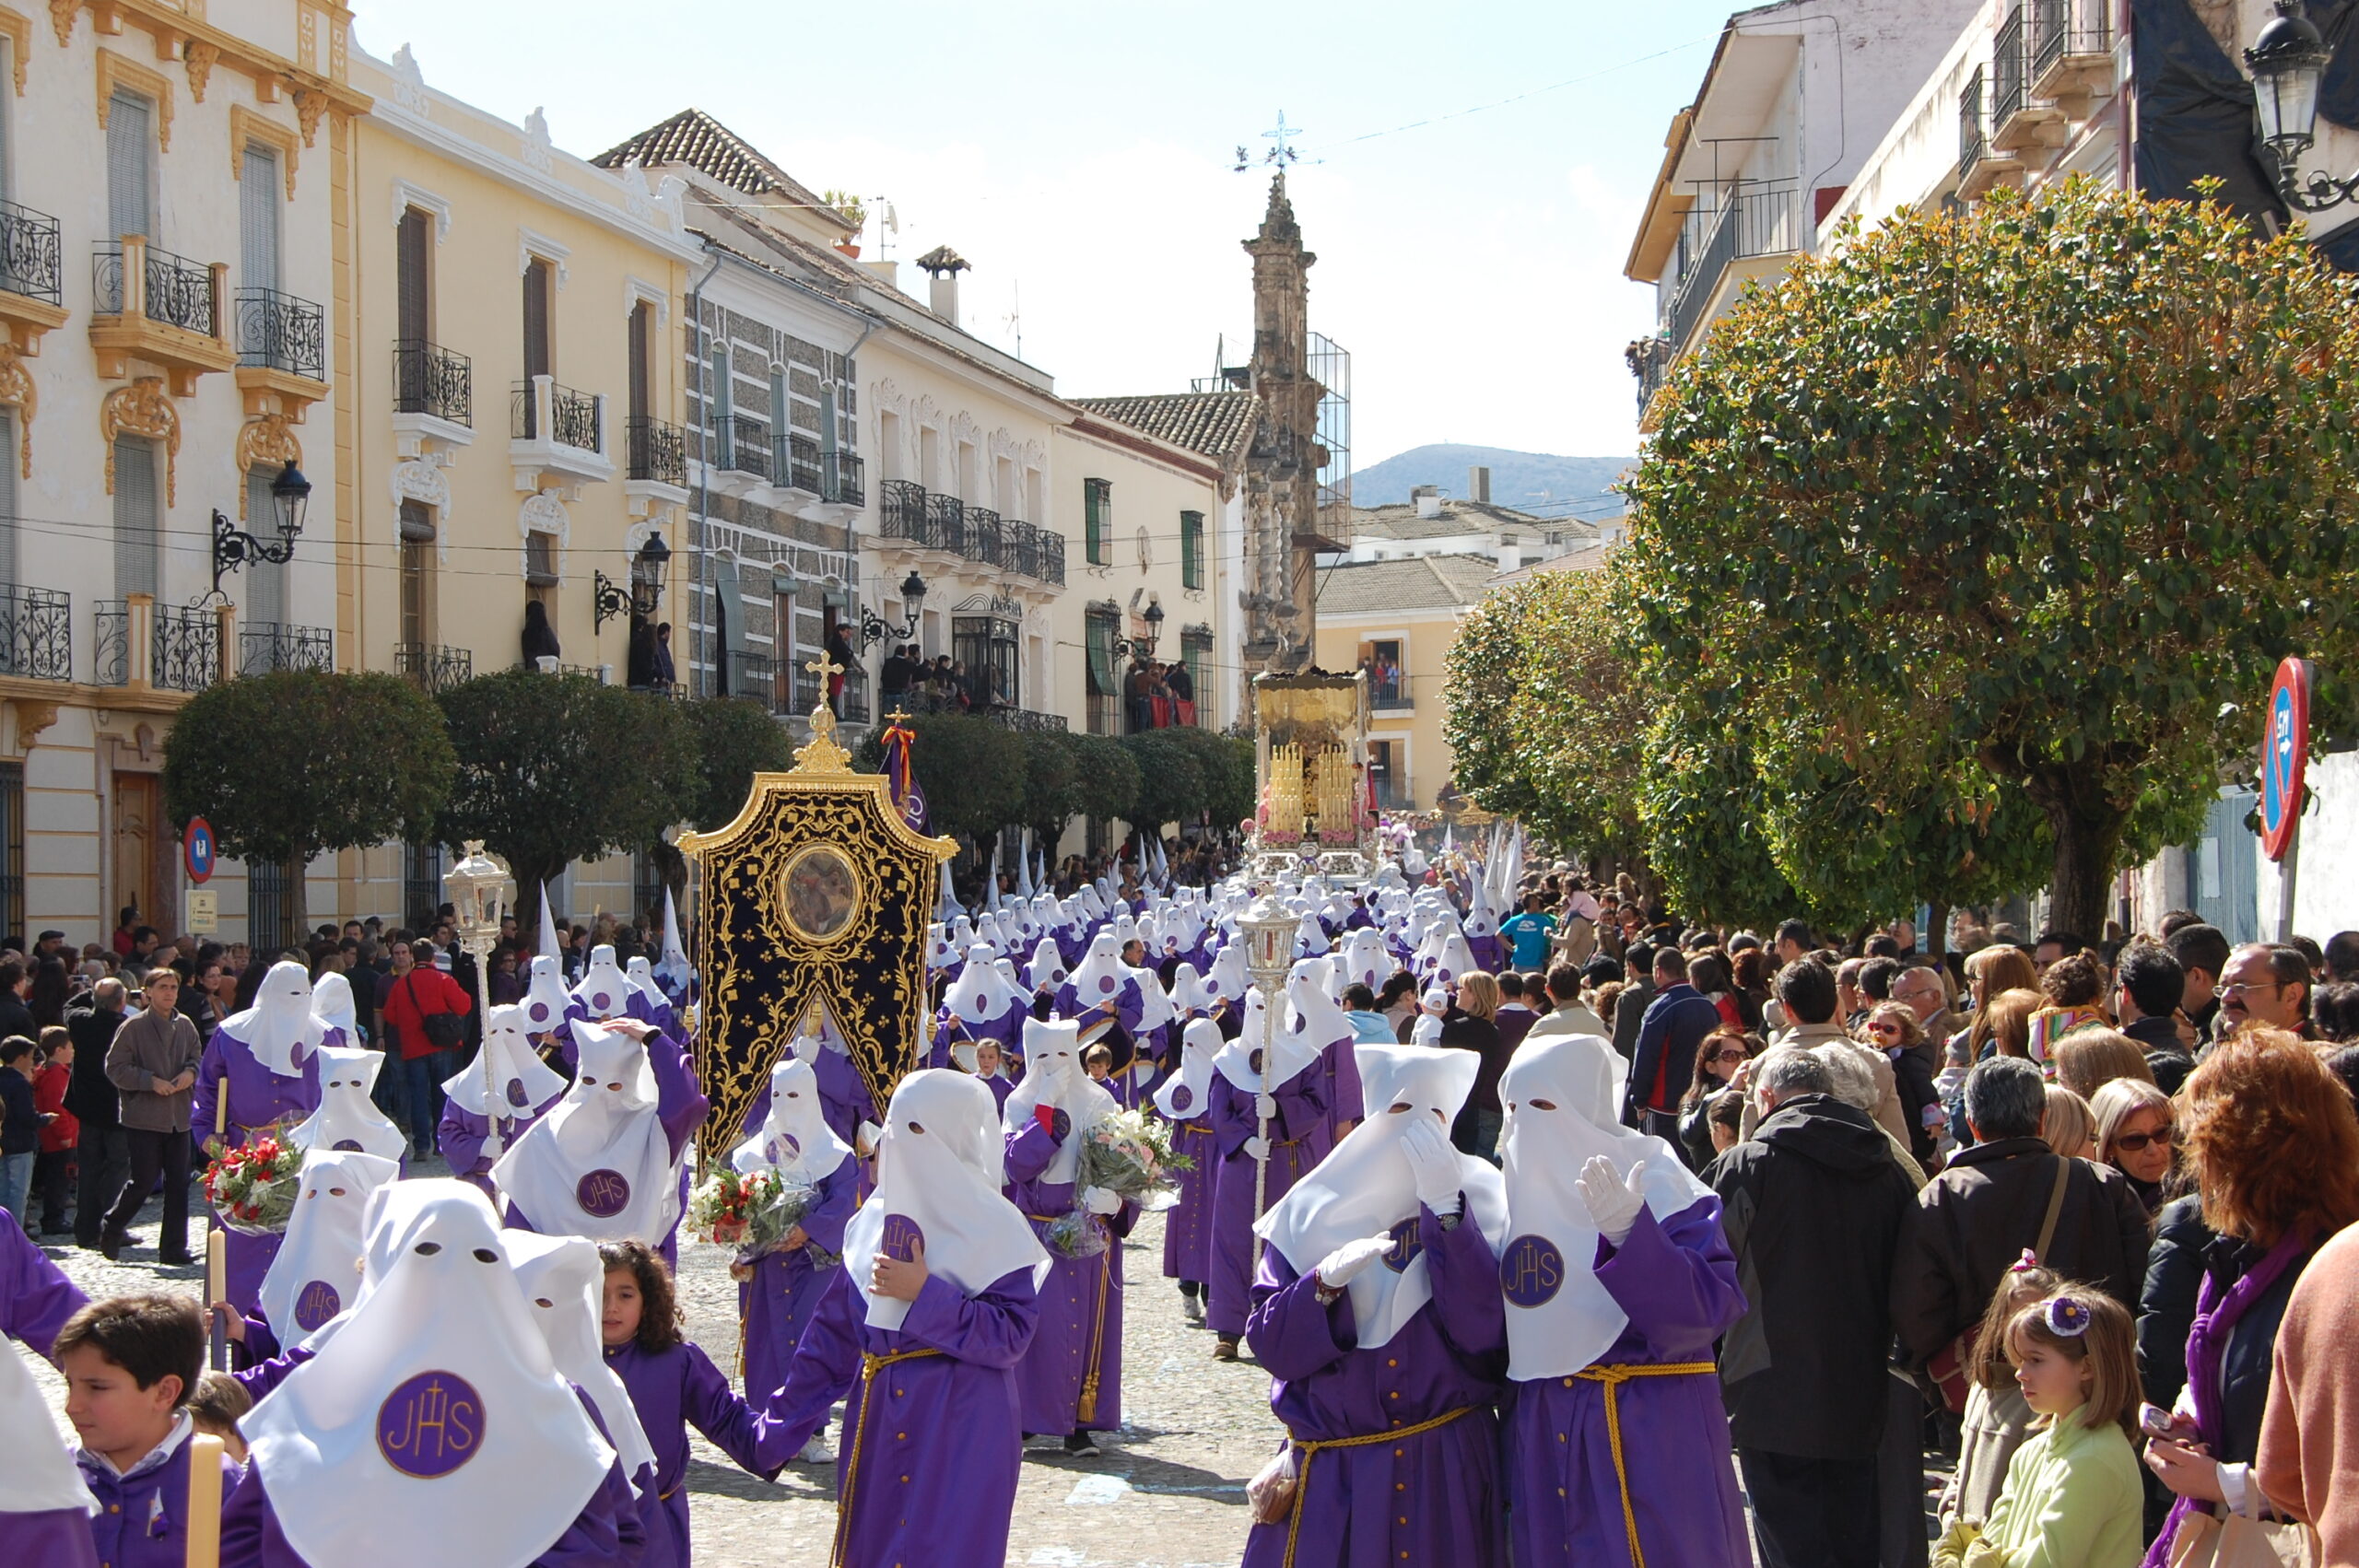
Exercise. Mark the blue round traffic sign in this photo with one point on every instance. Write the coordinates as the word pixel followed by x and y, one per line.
pixel 196 847
pixel 2284 757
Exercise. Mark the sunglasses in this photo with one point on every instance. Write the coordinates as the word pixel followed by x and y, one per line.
pixel 2135 1142
pixel 1889 1030
pixel 1730 1054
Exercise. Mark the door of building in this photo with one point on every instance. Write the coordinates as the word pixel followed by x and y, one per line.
pixel 138 823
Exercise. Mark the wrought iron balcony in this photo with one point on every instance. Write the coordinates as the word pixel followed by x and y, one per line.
pixel 855 705
pixel 658 452
pixel 31 257
pixel 187 648
pixel 2071 51
pixel 432 667
pixel 175 291
pixel 945 525
pixel 1745 222
pixel 986 539
pixel 36 633
pixel 572 418
pixel 587 672
pixel 1052 558
pixel 751 674
pixel 748 450
pixel 901 509
pixel 267 645
pixel 795 461
pixel 1971 141
pixel 1023 718
pixel 433 380
pixel 279 332
pixel 2008 76
pixel 846 479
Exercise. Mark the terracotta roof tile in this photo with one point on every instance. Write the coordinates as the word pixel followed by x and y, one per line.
pixel 1219 424
pixel 1426 582
pixel 696 138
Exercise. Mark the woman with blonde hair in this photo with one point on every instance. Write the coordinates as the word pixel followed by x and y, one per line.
pixel 1891 1027
pixel 1472 1025
pixel 2134 1135
pixel 2087 1060
pixel 2068 1127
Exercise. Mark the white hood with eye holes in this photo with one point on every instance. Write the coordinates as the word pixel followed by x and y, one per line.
pixel 599 1165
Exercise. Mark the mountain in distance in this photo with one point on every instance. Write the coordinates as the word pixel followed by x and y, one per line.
pixel 1521 480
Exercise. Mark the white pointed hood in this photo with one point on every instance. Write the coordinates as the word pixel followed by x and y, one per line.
pixel 1240 1062
pixel 1366 1186
pixel 280 1029
pixel 521 1079
pixel 1311 1016
pixel 1455 962
pixel 975 998
pixel 38 1474
pixel 564 1284
pixel 599 1165
pixel 388 1445
pixel 1187 1094
pixel 1102 972
pixel 546 998
pixel 1229 977
pixel 1187 991
pixel 1364 962
pixel 673 969
pixel 605 989
pixel 1560 1093
pixel 939 1171
pixel 1046 970
pixel 316 1273
pixel 332 1004
pixel 642 976
pixel 794 1139
pixel 939 953
pixel 347 1117
pixel 1053 1076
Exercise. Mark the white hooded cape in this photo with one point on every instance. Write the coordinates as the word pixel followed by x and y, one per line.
pixel 348 1119
pixel 1053 1076
pixel 316 1273
pixel 599 1165
pixel 280 1029
pixel 794 1139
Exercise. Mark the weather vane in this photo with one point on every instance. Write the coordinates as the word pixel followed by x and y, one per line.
pixel 1277 157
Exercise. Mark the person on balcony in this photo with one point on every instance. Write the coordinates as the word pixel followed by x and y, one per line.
pixel 1182 686
pixel 540 637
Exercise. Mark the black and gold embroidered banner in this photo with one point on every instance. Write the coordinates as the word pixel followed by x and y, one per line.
pixel 818 894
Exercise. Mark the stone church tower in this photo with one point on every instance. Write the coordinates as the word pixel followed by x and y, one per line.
pixel 1281 471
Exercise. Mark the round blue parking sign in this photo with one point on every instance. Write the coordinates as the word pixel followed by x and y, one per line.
pixel 2284 757
pixel 197 850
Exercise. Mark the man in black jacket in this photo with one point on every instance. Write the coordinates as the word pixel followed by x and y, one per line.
pixel 2147 986
pixel 1815 1208
pixel 100 1148
pixel 1637 995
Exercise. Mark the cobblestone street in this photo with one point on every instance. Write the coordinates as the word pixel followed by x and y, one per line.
pixel 1169 1491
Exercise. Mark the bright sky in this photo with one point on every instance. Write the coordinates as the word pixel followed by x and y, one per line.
pixel 1080 155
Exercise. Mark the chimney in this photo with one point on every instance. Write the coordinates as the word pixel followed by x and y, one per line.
pixel 1428 500
pixel 1478 485
pixel 944 264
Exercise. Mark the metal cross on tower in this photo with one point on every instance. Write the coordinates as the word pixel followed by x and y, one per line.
pixel 1277 157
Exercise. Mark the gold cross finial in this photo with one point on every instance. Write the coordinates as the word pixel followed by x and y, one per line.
pixel 825 667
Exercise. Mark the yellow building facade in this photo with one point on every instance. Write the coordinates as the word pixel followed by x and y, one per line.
pixel 1398 619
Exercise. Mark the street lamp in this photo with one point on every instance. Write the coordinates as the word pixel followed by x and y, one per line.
pixel 1143 647
pixel 291 493
pixel 874 629
pixel 1269 930
pixel 2288 63
pixel 480 889
pixel 608 598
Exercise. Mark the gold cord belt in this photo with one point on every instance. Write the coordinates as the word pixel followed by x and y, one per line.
pixel 1613 1377
pixel 1309 1450
pixel 870 1365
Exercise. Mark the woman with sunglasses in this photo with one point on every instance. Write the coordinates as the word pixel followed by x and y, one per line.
pixel 1892 1028
pixel 2134 1136
pixel 1722 1052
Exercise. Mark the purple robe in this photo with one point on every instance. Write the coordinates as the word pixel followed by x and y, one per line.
pixel 1122 1004
pixel 681 1106
pixel 463 1132
pixel 1071 1379
pixel 36 1298
pixel 1341 1069
pixel 1677 1281
pixel 1433 1498
pixel 1007 1031
pixel 250 1103
pixel 777 1303
pixel 931 1448
pixel 1488 955
pixel 669 1388
pixel 57 1538
pixel 142 1517
pixel 1187 1225
pixel 1297 1141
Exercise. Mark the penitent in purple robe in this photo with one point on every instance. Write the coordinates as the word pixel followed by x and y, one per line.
pixel 1007 1031
pixel 670 1388
pixel 1071 1380
pixel 776 1304
pixel 36 1298
pixel 1433 1498
pixel 1187 1225
pixel 462 1135
pixel 249 1101
pixel 1297 1141
pixel 927 1468
pixel 681 1106
pixel 1677 1281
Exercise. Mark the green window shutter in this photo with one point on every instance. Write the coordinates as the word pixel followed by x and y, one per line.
pixel 1191 549
pixel 1100 640
pixel 1096 497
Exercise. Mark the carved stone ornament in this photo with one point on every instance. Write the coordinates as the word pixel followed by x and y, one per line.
pixel 61 16
pixel 265 441
pixel 143 409
pixel 409 82
pixel 34 716
pixel 310 108
pixel 18 390
pixel 202 57
pixel 536 148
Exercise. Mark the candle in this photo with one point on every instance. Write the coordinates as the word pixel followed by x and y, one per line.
pixel 203 1499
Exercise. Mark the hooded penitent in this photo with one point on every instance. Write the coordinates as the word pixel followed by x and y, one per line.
pixel 281 1028
pixel 599 1165
pixel 1054 1078
pixel 546 998
pixel 316 1273
pixel 348 1119
pixel 1187 1094
pixel 563 1281
pixel 794 1139
pixel 521 1079
pixel 605 989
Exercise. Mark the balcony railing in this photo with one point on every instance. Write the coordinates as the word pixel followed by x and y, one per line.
pixel 1973 140
pixel 901 509
pixel 658 452
pixel 1649 362
pixel 846 479
pixel 32 260
pixel 187 648
pixel 266 645
pixel 795 460
pixel 1745 222
pixel 907 512
pixel 1052 557
pixel 572 418
pixel 855 706
pixel 753 675
pixel 1021 719
pixel 36 633
pixel 2060 27
pixel 431 667
pixel 945 525
pixel 175 292
pixel 110 643
pixel 279 332
pixel 986 537
pixel 433 380
pixel 2007 74
pixel 587 672
pixel 748 447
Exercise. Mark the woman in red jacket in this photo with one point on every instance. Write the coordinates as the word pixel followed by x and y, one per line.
pixel 54 1168
pixel 412 994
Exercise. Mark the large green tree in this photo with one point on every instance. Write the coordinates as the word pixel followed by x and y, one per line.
pixel 736 738
pixel 1226 765
pixel 556 768
pixel 972 771
pixel 297 762
pixel 2044 489
pixel 1171 786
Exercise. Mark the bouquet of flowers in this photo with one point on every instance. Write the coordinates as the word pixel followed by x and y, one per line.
pixel 1077 1234
pixel 252 1187
pixel 752 1213
pixel 1129 1153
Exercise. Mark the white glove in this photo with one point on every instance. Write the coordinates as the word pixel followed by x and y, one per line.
pixel 1266 1107
pixel 872 1137
pixel 1341 1267
pixel 1100 1200
pixel 1434 1164
pixel 1613 1200
pixel 1257 1148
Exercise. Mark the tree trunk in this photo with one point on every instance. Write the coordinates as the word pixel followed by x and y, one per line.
pixel 293 908
pixel 2087 829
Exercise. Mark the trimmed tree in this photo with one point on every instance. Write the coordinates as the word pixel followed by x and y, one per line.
pixel 1171 787
pixel 295 763
pixel 557 769
pixel 736 738
pixel 2047 489
pixel 972 771
pixel 1226 763
pixel 1106 780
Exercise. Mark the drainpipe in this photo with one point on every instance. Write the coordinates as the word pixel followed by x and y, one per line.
pixel 704 450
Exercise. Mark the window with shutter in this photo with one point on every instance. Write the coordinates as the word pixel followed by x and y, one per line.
pixel 258 220
pixel 138 520
pixel 536 319
pixel 418 564
pixel 1191 549
pixel 1096 518
pixel 130 135
pixel 1099 628
pixel 642 328
pixel 540 559
pixel 410 272
pixel 265 580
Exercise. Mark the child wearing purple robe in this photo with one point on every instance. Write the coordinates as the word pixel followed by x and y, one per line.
pixel 1185 1101
pixel 1378 1311
pixel 1070 1381
pixel 1291 1099
pixel 48 1519
pixel 129 1363
pixel 672 1383
pixel 1618 1280
pixel 777 1292
pixel 920 1333
pixel 260 1075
